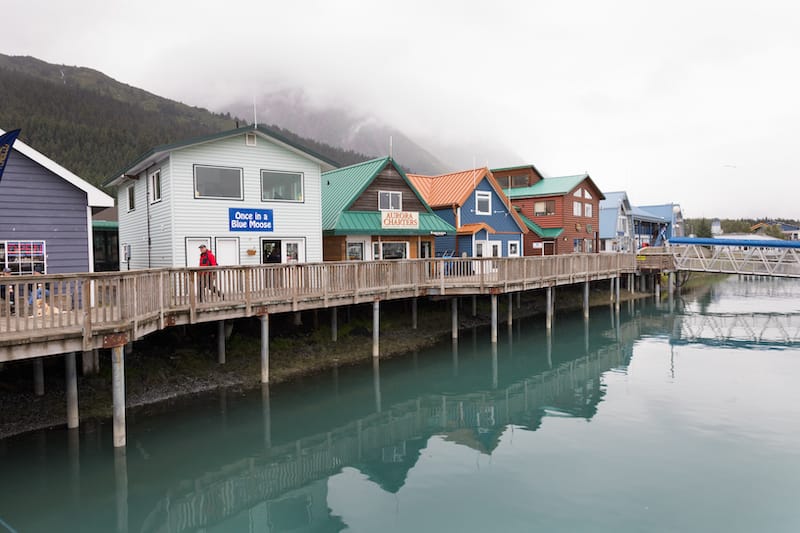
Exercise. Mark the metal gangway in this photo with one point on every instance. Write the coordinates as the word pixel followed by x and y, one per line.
pixel 738 329
pixel 751 257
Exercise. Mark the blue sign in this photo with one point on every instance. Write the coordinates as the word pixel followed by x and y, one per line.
pixel 250 219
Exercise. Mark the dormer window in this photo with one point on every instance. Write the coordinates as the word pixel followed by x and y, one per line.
pixel 483 203
pixel 390 201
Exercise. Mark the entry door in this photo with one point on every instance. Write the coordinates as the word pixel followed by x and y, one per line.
pixel 283 250
pixel 193 249
pixel 294 250
pixel 227 251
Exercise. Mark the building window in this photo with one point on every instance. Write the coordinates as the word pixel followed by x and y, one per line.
pixel 576 209
pixel 578 193
pixel 283 186
pixel 390 250
pixel 390 201
pixel 217 182
pixel 155 186
pixel 483 203
pixel 131 198
pixel 250 139
pixel 589 246
pixel 587 210
pixel 587 195
pixel 513 249
pixel 355 251
pixel 23 257
pixel 577 245
pixel 544 208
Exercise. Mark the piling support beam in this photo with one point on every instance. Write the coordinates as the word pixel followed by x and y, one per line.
pixel 642 283
pixel 38 376
pixel 334 324
pixel 87 362
pixel 221 342
pixel 630 283
pixel 454 317
pixel 616 293
pixel 494 319
pixel 510 309
pixel 72 390
pixel 474 305
pixel 118 394
pixel 671 283
pixel 549 304
pixel 376 325
pixel 657 283
pixel 586 300
pixel 265 348
pixel 414 313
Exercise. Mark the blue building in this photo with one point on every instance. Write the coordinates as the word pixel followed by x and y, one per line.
pixel 473 202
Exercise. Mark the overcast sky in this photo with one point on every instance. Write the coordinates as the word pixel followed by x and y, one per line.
pixel 689 102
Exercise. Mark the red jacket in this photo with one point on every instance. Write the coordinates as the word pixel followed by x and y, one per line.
pixel 207 259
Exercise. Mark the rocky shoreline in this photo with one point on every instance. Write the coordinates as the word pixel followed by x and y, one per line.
pixel 183 361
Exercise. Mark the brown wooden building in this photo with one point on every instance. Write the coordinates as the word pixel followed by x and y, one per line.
pixel 562 213
pixel 371 211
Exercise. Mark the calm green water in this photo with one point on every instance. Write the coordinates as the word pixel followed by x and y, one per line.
pixel 682 416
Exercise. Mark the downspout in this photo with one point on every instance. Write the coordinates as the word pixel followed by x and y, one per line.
pixel 147 212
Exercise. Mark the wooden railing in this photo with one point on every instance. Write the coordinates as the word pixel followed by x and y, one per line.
pixel 139 301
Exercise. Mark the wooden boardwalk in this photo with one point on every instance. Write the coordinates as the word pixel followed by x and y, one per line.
pixel 80 312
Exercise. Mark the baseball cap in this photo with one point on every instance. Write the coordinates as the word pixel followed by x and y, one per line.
pixel 202 246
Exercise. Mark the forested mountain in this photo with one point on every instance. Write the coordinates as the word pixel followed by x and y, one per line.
pixel 94 125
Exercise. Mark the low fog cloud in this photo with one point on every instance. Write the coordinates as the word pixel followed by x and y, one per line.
pixel 688 102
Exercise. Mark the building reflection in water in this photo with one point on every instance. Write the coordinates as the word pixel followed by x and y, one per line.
pixel 272 475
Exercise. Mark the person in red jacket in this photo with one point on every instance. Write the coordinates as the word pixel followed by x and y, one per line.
pixel 207 259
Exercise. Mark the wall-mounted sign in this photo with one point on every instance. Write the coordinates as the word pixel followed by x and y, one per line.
pixel 399 220
pixel 250 219
pixel 538 245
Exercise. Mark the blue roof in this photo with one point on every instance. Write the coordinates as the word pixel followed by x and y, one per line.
pixel 608 222
pixel 613 199
pixel 665 211
pixel 640 214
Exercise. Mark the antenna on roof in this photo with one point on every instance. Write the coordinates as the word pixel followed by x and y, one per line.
pixel 255 116
pixel 390 146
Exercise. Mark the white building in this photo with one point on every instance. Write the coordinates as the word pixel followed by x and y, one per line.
pixel 249 194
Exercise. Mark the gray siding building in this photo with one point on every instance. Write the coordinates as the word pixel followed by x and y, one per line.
pixel 45 215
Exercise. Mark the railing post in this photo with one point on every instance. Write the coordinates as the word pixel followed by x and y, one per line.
pixel 87 314
pixel 192 296
pixel 248 287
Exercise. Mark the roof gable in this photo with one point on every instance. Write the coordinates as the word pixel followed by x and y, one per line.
pixel 95 197
pixel 162 151
pixel 343 186
pixel 456 188
pixel 558 186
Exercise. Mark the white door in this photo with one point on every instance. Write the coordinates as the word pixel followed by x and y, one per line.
pixel 294 250
pixel 193 249
pixel 227 251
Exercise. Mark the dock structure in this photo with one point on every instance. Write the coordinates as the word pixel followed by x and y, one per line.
pixel 69 313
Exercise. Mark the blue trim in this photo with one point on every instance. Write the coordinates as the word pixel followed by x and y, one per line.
pixel 735 242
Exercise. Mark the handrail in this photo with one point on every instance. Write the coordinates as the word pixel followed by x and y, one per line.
pixel 90 303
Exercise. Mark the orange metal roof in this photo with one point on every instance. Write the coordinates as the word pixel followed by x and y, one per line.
pixel 455 188
pixel 472 229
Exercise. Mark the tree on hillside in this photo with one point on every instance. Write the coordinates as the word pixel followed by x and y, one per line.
pixel 699 227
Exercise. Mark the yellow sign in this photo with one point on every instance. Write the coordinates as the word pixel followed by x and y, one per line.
pixel 399 220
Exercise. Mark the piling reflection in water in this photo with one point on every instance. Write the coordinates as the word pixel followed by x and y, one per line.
pixel 260 461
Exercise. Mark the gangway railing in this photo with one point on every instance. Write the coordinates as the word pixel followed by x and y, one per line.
pixel 737 256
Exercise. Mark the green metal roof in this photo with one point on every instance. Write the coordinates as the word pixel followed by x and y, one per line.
pixel 269 132
pixel 105 224
pixel 369 223
pixel 547 187
pixel 343 186
pixel 544 233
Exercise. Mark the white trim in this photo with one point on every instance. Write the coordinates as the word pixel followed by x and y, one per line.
pixel 152 182
pixel 90 232
pixel 390 193
pixel 95 197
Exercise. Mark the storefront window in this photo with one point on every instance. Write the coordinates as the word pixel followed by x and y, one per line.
pixel 23 257
pixel 355 251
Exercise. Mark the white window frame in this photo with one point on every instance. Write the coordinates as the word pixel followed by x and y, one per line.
pixel 197 194
pixel 389 195
pixel 587 194
pixel 301 177
pixel 577 209
pixel 485 196
pixel 131 198
pixel 155 187
pixel 587 210
pixel 515 251
pixel 578 193
pixel 377 249
pixel 544 212
pixel 250 139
